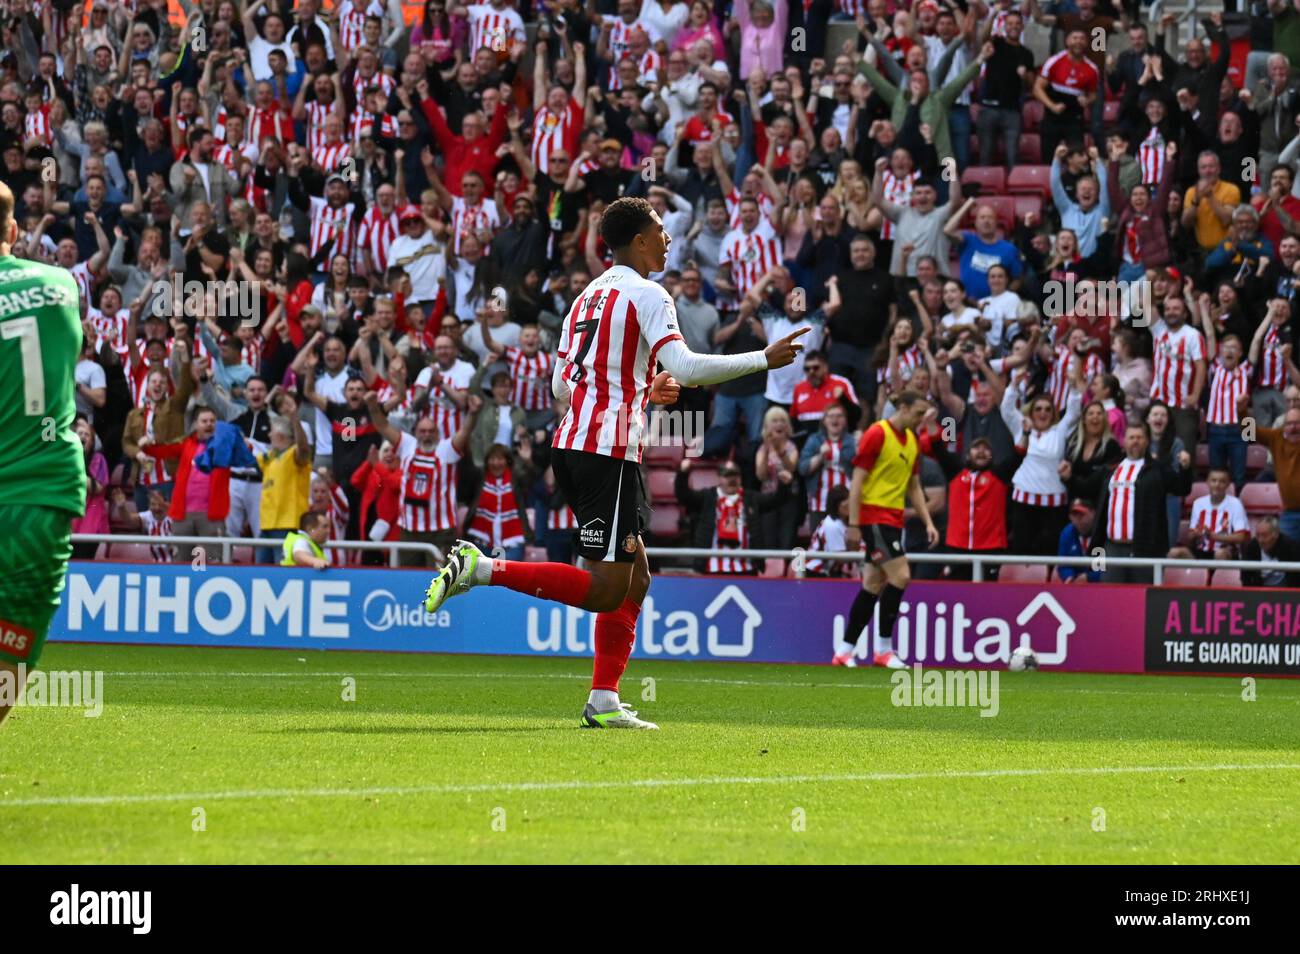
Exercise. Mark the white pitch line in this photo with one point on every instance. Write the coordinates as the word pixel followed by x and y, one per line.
pixel 127 674
pixel 272 793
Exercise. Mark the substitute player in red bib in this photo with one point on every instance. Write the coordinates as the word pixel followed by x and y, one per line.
pixel 618 329
pixel 886 475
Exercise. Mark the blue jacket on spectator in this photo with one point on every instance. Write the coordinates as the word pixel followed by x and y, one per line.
pixel 1071 545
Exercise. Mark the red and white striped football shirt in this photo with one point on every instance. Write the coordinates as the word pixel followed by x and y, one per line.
pixel 1228 516
pixel 552 133
pixel 1059 380
pixel 1121 504
pixel 898 190
pixel 376 234
pixel 530 378
pixel 269 122
pixel 1176 354
pixel 155 527
pixel 1151 157
pixel 749 255
pixel 104 325
pixel 154 472
pixel 352 21
pixel 36 125
pixel 330 223
pixel 317 113
pixel 1225 389
pixel 467 219
pixel 561 518
pixel 428 486
pixel 339 511
pixel 609 340
pixel 1272 363
pixel 331 156
pixel 729 530
pixel 493 28
pixel 830 474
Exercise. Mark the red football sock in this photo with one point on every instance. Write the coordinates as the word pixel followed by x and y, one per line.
pixel 547 581
pixel 615 634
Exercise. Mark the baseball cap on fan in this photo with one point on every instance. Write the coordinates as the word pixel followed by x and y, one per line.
pixel 410 213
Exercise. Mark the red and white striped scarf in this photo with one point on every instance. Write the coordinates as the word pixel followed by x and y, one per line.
pixel 730 531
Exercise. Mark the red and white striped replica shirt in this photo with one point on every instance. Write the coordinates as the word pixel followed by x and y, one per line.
pixel 373 124
pixel 530 378
pixel 749 255
pixel 352 21
pixel 223 154
pixel 104 326
pixel 269 122
pixel 1176 354
pixel 331 157
pixel 85 280
pixel 830 474
pixel 852 8
pixel 493 28
pixel 37 126
pixel 317 113
pixel 442 409
pixel 361 83
pixel 1225 388
pixel 329 223
pixel 219 124
pixel 1121 504
pixel 609 342
pixel 154 472
pixel 1069 77
pixel 552 133
pixel 898 190
pixel 155 527
pixel 1059 380
pixel 908 361
pixel 1151 157
pixel 561 518
pixel 810 403
pixel 765 206
pixel 467 219
pixel 1272 363
pixel 729 530
pixel 428 486
pixel 620 45
pixel 1228 516
pixel 338 513
pixel 251 353
pixel 376 235
pixel 385 392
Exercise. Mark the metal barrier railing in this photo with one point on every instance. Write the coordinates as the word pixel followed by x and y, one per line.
pixel 227 544
pixel 978 561
pixel 799 558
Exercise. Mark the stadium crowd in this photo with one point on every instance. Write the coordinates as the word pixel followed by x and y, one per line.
pixel 325 254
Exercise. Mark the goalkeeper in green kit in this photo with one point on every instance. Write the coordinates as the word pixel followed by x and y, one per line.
pixel 42 471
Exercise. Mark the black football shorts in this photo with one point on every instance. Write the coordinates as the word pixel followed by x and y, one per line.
pixel 609 499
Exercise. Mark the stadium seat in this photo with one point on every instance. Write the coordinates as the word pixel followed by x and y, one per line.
pixel 1186 576
pixel 1184 532
pixel 664 454
pixel 1030 180
pixel 130 552
pixel 1031 116
pixel 1110 112
pixel 703 477
pixel 1226 578
pixel 1199 490
pixel 661 483
pixel 241 555
pixel 1261 498
pixel 774 568
pixel 1022 573
pixel 1030 148
pixel 1025 204
pixel 1256 458
pixel 664 522
pixel 992 180
pixel 536 555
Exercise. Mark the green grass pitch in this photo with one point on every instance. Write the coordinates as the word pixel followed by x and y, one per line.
pixel 479 759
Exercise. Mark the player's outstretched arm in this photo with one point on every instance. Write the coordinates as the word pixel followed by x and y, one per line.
pixel 693 369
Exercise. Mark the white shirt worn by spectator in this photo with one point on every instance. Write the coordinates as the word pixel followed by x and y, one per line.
pixel 1001 311
pixel 506 334
pixel 781 381
pixel 330 387
pixel 1227 516
pixel 423 260
pixel 259 56
pixel 1037 480
pixel 90 374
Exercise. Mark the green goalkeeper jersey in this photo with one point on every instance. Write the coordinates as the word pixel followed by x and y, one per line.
pixel 41 462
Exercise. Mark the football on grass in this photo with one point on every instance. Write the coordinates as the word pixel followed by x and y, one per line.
pixel 1022 659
